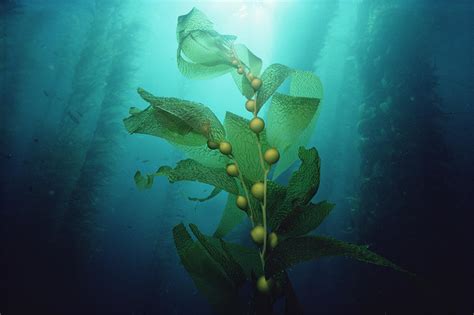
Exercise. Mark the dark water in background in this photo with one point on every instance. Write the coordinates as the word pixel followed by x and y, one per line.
pixel 78 237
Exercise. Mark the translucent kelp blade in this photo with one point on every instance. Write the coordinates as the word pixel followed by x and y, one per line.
pixel 305 219
pixel 243 84
pixel 190 170
pixel 244 146
pixel 248 58
pixel 205 47
pixel 205 156
pixel 193 20
pixel 288 119
pixel 207 275
pixel 303 185
pixel 252 63
pixel 292 118
pixel 232 269
pixel 208 53
pixel 231 217
pixel 272 78
pixel 299 249
pixel 306 84
pixel 161 124
pixel 198 117
pixel 247 258
pixel 213 194
pixel 198 71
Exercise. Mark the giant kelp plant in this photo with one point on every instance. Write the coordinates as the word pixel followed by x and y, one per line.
pixel 241 157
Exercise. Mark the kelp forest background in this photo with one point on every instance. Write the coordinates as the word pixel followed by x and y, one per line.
pixel 395 136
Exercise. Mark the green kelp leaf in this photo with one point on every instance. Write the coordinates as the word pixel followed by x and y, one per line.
pixel 164 125
pixel 207 275
pixel 191 170
pixel 292 118
pixel 143 182
pixel 191 116
pixel 252 63
pixel 306 84
pixel 247 258
pixel 287 120
pixel 213 193
pixel 299 249
pixel 228 264
pixel 208 52
pixel 231 217
pixel 205 156
pixel 244 146
pixel 304 219
pixel 201 71
pixel 248 58
pixel 302 186
pixel 275 197
pixel 187 125
pixel 243 84
pixel 272 78
pixel 134 111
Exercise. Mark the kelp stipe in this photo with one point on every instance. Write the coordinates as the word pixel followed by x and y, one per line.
pixel 236 157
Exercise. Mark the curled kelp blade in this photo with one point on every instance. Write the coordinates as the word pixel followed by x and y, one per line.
pixel 202 52
pixel 176 120
pixel 291 118
pixel 251 63
pixel 185 124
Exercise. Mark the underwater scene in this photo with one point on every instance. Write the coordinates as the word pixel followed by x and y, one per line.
pixel 236 157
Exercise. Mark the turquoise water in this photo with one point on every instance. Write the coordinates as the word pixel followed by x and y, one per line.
pixel 394 135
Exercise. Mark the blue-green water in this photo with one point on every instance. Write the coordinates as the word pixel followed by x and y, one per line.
pixel 395 136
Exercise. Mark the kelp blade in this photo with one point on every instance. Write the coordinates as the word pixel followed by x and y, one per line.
pixel 300 249
pixel 191 170
pixel 208 52
pixel 305 219
pixel 302 186
pixel 231 217
pixel 206 274
pixel 232 269
pixel 244 146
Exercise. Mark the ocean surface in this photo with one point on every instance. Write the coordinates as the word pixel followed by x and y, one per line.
pixel 395 135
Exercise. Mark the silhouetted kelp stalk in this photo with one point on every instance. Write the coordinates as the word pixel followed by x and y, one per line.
pixel 237 157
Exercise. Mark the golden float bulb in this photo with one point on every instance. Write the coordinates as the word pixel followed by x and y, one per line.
pixel 250 76
pixel 235 62
pixel 212 144
pixel 263 285
pixel 256 83
pixel 240 70
pixel 257 124
pixel 271 156
pixel 258 234
pixel 232 170
pixel 258 190
pixel 273 240
pixel 250 105
pixel 242 202
pixel 225 148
